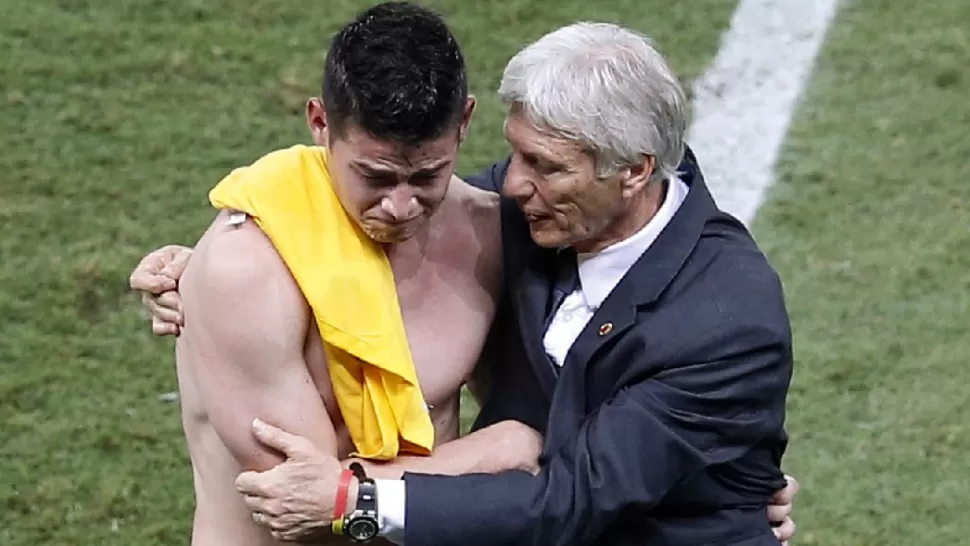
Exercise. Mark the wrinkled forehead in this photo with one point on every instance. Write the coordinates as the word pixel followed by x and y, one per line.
pixel 367 152
pixel 527 137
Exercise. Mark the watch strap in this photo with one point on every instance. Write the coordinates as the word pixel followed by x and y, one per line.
pixel 367 505
pixel 367 496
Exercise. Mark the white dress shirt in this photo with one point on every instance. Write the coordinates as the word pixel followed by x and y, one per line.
pixel 599 273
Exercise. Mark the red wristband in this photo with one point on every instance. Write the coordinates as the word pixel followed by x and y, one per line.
pixel 341 503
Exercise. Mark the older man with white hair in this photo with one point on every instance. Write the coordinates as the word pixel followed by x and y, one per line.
pixel 644 335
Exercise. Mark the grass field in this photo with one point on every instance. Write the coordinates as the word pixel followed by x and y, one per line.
pixel 870 229
pixel 116 117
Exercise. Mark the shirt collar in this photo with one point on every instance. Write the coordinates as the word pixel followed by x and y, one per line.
pixel 600 272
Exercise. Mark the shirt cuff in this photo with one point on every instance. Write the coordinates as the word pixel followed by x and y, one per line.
pixel 390 510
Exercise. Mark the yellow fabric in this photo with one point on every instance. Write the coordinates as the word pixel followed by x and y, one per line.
pixel 347 280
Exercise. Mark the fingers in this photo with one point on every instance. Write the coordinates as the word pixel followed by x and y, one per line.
pixel 262 505
pixel 165 313
pixel 251 487
pixel 280 524
pixel 160 328
pixel 779 512
pixel 170 300
pixel 166 308
pixel 286 526
pixel 176 267
pixel 147 279
pixel 289 444
pixel 785 531
pixel 159 270
pixel 270 521
pixel 793 485
pixel 787 494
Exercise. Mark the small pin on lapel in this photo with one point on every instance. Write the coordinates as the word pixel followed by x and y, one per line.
pixel 606 328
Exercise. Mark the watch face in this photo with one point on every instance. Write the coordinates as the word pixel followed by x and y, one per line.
pixel 362 529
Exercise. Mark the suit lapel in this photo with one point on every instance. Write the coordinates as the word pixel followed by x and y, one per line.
pixel 641 286
pixel 652 272
pixel 617 314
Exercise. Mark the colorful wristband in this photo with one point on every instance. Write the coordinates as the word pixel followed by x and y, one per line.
pixel 340 505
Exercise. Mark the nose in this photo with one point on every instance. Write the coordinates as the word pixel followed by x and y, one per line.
pixel 518 185
pixel 400 204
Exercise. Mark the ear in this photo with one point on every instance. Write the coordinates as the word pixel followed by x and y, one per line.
pixel 466 118
pixel 316 121
pixel 636 177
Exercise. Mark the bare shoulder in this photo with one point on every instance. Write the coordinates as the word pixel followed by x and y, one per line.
pixel 475 224
pixel 236 256
pixel 477 208
pixel 236 280
pixel 228 245
pixel 476 201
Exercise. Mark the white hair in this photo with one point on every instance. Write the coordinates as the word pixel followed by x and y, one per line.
pixel 606 87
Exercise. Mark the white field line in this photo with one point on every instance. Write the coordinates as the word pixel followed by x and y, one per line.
pixel 744 102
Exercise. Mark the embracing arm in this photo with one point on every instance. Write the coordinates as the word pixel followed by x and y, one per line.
pixel 496 446
pixel 629 453
pixel 241 349
pixel 508 445
pixel 502 446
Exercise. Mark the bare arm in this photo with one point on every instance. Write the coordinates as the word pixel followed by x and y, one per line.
pixel 503 446
pixel 240 356
pixel 243 344
pixel 508 445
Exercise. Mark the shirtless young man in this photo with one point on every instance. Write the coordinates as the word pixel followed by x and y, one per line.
pixel 250 349
pixel 394 110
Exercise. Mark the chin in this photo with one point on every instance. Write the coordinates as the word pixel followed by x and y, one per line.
pixel 547 239
pixel 383 236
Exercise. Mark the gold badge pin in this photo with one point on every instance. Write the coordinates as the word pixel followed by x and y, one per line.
pixel 606 328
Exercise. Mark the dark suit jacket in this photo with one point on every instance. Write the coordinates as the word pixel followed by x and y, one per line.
pixel 667 429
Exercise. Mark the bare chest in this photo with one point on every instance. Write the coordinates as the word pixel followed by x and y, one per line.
pixel 447 286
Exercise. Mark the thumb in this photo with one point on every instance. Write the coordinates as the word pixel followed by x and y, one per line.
pixel 278 439
pixel 163 283
pixel 176 267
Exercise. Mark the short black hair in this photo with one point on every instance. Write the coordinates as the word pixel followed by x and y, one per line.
pixel 396 72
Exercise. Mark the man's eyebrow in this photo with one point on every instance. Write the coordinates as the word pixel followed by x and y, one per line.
pixel 373 168
pixel 432 168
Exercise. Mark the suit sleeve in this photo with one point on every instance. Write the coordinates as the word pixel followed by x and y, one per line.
pixel 490 178
pixel 629 453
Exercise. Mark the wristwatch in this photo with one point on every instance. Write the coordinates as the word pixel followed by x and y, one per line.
pixel 361 525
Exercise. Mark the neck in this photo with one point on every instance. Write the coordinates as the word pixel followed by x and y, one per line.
pixel 642 208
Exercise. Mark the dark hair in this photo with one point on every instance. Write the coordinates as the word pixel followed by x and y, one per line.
pixel 396 72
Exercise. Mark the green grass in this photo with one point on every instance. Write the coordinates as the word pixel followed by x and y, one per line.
pixel 869 228
pixel 116 119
